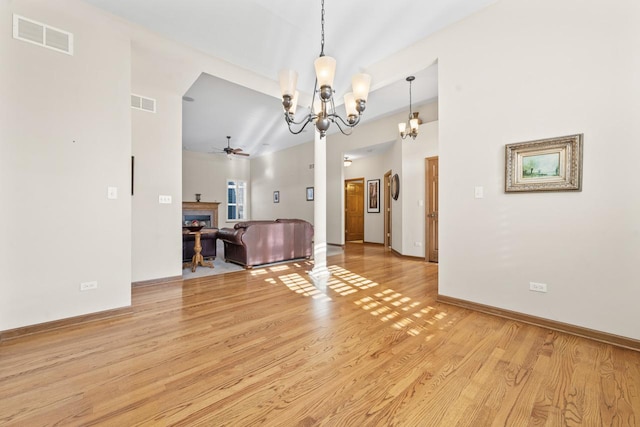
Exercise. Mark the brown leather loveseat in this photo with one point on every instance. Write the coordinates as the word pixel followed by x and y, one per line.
pixel 252 243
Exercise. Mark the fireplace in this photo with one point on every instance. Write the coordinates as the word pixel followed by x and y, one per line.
pixel 206 212
pixel 203 219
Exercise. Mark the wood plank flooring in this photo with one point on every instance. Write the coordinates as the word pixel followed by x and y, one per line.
pixel 264 347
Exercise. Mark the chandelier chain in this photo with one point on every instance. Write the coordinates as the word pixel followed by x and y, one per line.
pixel 410 102
pixel 322 31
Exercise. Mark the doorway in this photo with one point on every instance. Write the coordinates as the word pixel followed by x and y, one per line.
pixel 387 210
pixel 431 208
pixel 354 209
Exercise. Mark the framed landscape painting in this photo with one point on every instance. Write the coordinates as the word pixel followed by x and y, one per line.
pixel 553 164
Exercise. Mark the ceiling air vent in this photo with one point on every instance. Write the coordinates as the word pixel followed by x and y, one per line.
pixel 43 35
pixel 143 103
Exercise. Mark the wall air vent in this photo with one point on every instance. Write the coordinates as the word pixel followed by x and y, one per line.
pixel 43 35
pixel 143 103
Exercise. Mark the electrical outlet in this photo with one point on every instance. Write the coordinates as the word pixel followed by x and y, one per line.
pixel 417 244
pixel 537 287
pixel 87 286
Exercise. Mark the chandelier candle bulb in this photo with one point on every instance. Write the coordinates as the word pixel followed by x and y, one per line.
pixel 350 106
pixel 294 104
pixel 325 70
pixel 288 82
pixel 414 125
pixel 361 84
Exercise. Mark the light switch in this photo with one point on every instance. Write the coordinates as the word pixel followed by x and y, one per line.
pixel 479 192
pixel 164 199
pixel 112 192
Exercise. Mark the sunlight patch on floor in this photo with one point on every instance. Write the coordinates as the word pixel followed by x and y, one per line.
pixel 390 316
pixel 341 287
pixel 401 312
pixel 351 278
pixel 299 285
pixel 387 305
pixel 277 268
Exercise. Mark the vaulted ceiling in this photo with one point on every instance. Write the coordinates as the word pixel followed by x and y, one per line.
pixel 267 36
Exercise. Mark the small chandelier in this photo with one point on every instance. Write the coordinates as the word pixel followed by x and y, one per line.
pixel 323 110
pixel 414 122
pixel 347 162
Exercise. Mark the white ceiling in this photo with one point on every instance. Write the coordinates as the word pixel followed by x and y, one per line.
pixel 267 36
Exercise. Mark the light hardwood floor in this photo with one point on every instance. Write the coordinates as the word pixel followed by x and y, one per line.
pixel 264 347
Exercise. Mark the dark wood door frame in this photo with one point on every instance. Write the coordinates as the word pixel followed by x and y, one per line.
pixel 431 209
pixel 387 210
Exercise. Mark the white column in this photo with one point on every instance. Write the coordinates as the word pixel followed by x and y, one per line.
pixel 320 274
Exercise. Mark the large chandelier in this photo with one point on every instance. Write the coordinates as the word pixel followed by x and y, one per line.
pixel 414 121
pixel 323 110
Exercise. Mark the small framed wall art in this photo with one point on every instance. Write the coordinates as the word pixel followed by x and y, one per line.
pixel 553 164
pixel 373 195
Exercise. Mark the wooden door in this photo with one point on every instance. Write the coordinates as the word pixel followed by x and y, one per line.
pixel 387 210
pixel 431 213
pixel 354 209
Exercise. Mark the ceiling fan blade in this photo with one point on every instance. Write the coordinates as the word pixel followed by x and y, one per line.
pixel 236 151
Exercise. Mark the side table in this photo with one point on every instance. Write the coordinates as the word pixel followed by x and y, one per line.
pixel 198 259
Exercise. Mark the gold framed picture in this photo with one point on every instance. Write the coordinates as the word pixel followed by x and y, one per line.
pixel 553 164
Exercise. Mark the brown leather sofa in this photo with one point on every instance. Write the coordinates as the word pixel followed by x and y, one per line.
pixel 252 243
pixel 208 241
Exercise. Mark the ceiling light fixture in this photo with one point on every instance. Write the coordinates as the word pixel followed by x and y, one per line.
pixel 323 110
pixel 414 122
pixel 347 162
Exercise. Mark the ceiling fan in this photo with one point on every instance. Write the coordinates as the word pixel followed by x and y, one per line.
pixel 235 151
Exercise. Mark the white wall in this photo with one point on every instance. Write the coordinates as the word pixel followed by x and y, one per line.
pixel 523 70
pixel 373 167
pixel 412 188
pixel 366 134
pixel 288 172
pixel 157 147
pixel 207 174
pixel 66 137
